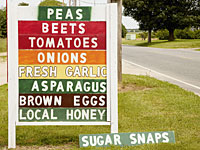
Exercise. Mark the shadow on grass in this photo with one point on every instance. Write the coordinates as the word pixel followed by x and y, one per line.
pixel 47 140
pixel 146 44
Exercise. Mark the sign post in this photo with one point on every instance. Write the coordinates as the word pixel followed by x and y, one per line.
pixel 62 67
pixel 113 61
pixel 12 73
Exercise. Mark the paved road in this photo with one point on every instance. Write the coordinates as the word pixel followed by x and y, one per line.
pixel 181 67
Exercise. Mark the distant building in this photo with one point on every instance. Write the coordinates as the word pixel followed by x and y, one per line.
pixel 134 30
pixel 131 36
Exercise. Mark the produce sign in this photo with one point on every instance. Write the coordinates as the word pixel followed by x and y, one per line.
pixel 62 66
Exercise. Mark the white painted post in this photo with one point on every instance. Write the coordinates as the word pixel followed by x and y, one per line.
pixel 108 49
pixel 12 72
pixel 114 70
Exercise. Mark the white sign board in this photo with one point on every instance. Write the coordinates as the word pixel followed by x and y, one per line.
pixel 62 66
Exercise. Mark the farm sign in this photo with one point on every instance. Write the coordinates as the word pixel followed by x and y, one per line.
pixel 62 71
pixel 60 68
pixel 126 139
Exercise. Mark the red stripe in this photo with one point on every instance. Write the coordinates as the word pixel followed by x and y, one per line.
pixel 35 27
pixel 25 42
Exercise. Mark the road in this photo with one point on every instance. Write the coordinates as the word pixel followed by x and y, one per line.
pixel 177 66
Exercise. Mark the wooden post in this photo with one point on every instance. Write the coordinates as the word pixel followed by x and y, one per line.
pixel 119 3
pixel 75 2
pixel 70 2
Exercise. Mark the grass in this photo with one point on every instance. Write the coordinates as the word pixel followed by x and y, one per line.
pixel 145 104
pixel 179 43
pixel 3 45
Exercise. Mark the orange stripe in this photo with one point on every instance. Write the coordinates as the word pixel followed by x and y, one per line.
pixel 84 57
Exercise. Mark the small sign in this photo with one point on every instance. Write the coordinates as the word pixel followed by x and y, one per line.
pixel 64 13
pixel 126 139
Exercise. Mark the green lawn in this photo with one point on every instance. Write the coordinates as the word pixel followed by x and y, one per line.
pixel 180 43
pixel 3 45
pixel 145 104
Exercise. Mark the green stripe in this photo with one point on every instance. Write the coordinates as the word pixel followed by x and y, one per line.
pixel 43 13
pixel 48 114
pixel 26 86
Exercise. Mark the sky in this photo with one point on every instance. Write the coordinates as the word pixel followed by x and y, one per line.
pixel 127 21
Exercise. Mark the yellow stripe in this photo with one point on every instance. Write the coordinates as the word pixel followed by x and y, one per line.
pixel 62 71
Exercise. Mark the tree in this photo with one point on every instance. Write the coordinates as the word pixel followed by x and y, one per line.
pixel 51 3
pixel 124 31
pixel 3 23
pixel 163 14
pixel 197 17
pixel 177 14
pixel 143 35
pixel 23 4
pixel 143 11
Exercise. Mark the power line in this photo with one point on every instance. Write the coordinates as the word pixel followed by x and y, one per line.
pixel 92 3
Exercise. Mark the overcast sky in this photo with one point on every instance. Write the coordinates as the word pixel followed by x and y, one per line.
pixel 127 21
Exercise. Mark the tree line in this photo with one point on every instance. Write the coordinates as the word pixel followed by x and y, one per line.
pixel 154 15
pixel 3 23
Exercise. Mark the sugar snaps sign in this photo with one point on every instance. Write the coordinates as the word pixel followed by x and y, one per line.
pixel 64 67
pixel 126 139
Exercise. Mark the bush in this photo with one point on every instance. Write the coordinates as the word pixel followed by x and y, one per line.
pixel 51 3
pixel 23 4
pixel 143 35
pixel 124 31
pixel 162 34
pixel 3 23
pixel 185 34
pixel 153 35
pixel 197 34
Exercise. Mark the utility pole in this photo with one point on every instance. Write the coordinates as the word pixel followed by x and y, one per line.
pixel 75 2
pixel 119 4
pixel 70 2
